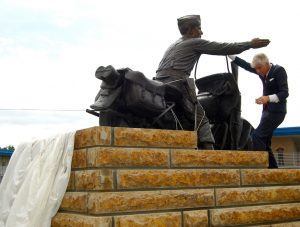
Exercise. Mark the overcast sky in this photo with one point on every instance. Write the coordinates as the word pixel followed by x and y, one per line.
pixel 49 51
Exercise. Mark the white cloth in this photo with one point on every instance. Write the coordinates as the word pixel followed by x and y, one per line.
pixel 35 182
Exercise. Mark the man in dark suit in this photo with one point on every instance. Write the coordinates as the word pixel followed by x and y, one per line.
pixel 275 92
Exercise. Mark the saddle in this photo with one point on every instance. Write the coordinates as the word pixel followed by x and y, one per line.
pixel 144 97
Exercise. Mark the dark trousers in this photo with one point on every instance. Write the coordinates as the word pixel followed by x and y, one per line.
pixel 262 135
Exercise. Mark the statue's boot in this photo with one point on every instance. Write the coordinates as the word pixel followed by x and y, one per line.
pixel 206 146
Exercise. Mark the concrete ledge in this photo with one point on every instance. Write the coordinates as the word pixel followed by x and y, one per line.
pixel 74 201
pixel 143 179
pixel 77 220
pixel 257 195
pixel 195 218
pixel 79 159
pixel 94 136
pixel 149 220
pixel 192 158
pixel 146 157
pixel 71 183
pixel 136 137
pixel 127 157
pixel 114 202
pixel 255 215
pixel 94 180
pixel 270 176
pixel 287 224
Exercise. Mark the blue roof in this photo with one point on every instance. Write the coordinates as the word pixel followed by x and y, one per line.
pixel 288 131
pixel 6 152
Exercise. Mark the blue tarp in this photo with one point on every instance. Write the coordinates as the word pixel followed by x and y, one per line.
pixel 288 131
pixel 6 152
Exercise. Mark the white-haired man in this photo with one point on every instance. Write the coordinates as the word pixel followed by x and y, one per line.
pixel 275 92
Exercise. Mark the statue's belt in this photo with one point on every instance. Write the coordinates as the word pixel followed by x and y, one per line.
pixel 179 76
pixel 165 73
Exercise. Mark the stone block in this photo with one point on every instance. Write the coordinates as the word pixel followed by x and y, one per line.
pixel 287 224
pixel 114 202
pixel 94 179
pixel 149 220
pixel 136 137
pixel 195 218
pixel 257 195
pixel 77 220
pixel 74 201
pixel 94 136
pixel 71 183
pixel 197 158
pixel 141 179
pixel 79 159
pixel 127 157
pixel 270 176
pixel 242 216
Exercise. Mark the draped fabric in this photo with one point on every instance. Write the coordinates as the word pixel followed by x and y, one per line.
pixel 35 181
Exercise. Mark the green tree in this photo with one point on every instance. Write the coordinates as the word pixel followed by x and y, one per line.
pixel 9 147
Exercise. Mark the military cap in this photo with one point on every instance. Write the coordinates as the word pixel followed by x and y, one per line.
pixel 186 21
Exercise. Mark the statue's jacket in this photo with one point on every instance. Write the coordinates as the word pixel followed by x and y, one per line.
pixel 182 55
pixel 180 58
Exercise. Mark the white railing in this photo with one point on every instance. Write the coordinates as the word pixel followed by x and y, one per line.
pixel 288 160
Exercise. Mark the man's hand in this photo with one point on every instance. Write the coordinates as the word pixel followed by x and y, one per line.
pixel 258 43
pixel 262 100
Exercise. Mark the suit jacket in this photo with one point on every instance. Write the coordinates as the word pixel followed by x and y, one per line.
pixel 274 83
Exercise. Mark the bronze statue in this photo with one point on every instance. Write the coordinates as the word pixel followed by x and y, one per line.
pixel 128 98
